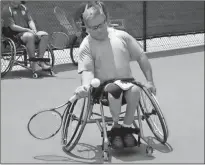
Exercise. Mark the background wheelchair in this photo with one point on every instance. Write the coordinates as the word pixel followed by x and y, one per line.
pixel 148 110
pixel 13 54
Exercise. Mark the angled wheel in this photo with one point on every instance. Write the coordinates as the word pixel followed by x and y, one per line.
pixel 49 54
pixel 8 54
pixel 74 51
pixel 74 123
pixel 153 115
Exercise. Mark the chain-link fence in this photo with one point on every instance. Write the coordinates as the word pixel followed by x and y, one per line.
pixel 145 20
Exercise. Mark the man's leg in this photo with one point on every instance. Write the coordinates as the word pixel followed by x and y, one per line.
pixel 115 108
pixel 43 43
pixel 115 101
pixel 132 97
pixel 29 40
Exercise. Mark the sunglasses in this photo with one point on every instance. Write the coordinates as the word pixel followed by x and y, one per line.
pixel 94 28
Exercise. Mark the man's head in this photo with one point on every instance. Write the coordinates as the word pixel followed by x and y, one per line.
pixel 95 18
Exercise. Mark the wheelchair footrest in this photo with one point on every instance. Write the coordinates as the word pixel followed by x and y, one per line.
pixel 122 131
pixel 38 59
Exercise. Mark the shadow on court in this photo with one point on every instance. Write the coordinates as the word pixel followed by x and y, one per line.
pixel 19 74
pixel 85 153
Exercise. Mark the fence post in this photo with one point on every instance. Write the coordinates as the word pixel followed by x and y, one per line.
pixel 145 25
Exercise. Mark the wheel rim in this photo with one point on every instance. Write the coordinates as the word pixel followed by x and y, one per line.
pixel 7 56
pixel 49 54
pixel 74 123
pixel 153 117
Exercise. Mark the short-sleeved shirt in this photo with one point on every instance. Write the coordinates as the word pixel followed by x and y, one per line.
pixel 19 16
pixel 109 59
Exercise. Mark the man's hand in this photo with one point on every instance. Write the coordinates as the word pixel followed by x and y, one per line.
pixel 31 31
pixel 151 87
pixel 82 91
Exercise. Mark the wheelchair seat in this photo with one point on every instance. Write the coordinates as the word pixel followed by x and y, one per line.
pixel 100 95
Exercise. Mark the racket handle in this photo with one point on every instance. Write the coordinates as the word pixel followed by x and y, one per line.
pixel 73 98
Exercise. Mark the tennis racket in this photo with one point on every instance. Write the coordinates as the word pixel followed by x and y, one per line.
pixel 59 40
pixel 66 22
pixel 47 123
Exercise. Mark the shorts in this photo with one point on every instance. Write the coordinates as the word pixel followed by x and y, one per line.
pixel 98 92
pixel 15 36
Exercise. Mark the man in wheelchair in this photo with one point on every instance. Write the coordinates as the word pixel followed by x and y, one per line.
pixel 20 27
pixel 105 54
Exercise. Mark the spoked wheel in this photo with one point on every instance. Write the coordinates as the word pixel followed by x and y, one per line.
pixel 74 50
pixel 49 54
pixel 8 54
pixel 74 123
pixel 153 115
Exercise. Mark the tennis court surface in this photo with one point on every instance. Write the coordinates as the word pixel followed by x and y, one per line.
pixel 179 78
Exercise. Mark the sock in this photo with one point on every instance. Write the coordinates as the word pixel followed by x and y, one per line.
pixel 127 126
pixel 116 125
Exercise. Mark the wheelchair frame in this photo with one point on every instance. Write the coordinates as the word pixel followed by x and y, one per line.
pixel 19 51
pixel 86 115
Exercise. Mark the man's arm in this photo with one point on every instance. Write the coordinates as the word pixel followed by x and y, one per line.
pixel 85 63
pixel 138 54
pixel 31 23
pixel 86 77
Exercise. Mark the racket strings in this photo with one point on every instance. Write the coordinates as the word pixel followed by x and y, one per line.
pixel 59 40
pixel 61 16
pixel 45 124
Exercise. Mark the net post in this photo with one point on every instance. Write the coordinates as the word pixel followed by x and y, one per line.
pixel 145 25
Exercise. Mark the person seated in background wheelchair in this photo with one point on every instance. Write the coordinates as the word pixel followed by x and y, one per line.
pixel 105 54
pixel 20 27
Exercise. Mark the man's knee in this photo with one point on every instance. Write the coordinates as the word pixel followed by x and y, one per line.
pixel 114 90
pixel 133 93
pixel 42 33
pixel 28 37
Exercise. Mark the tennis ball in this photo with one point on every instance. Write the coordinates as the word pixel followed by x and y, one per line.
pixel 95 82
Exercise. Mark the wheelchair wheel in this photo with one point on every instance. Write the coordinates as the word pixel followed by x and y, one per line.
pixel 74 123
pixel 8 54
pixel 153 115
pixel 74 51
pixel 49 54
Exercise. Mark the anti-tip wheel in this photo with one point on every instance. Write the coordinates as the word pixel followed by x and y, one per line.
pixel 63 141
pixel 52 73
pixel 149 151
pixel 35 75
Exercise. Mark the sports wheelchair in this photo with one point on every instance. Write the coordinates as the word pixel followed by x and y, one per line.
pixel 81 113
pixel 13 54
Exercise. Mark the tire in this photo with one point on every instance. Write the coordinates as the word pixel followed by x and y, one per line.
pixel 161 135
pixel 74 50
pixel 5 54
pixel 85 109
pixel 49 54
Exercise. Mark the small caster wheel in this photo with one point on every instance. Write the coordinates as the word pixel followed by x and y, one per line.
pixel 35 75
pixel 52 73
pixel 105 156
pixel 149 151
